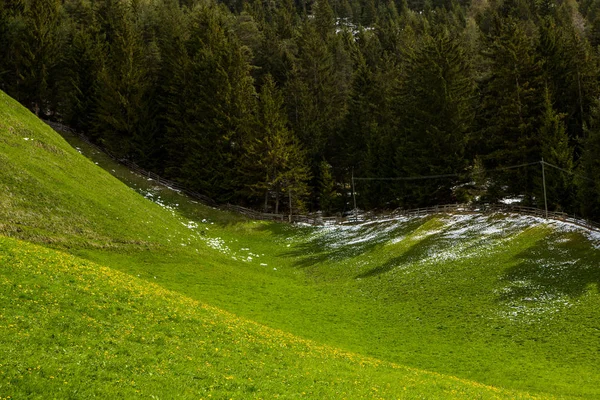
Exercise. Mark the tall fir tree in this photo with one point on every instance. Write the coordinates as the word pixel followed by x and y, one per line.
pixel 81 65
pixel 274 162
pixel 324 18
pixel 510 107
pixel 124 84
pixel 588 179
pixel 316 92
pixel 40 45
pixel 569 71
pixel 556 151
pixel 436 107
pixel 327 194
pixel 211 101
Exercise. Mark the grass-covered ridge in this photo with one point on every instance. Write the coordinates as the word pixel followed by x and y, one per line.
pixel 506 301
pixel 72 329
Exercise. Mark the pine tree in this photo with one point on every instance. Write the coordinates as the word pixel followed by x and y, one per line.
pixel 344 10
pixel 274 162
pixel 81 64
pixel 124 84
pixel 436 108
pixel 210 101
pixel 510 107
pixel 316 92
pixel 5 46
pixel 556 151
pixel 568 71
pixel 40 47
pixel 366 141
pixel 324 18
pixel 327 193
pixel 389 27
pixel 369 13
pixel 588 181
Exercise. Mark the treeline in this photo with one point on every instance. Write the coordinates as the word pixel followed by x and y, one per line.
pixel 257 102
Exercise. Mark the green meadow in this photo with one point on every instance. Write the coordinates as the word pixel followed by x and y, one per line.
pixel 114 287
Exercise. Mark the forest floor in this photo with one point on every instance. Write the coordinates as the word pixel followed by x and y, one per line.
pixel 124 288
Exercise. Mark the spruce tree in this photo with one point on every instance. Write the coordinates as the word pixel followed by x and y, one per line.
pixel 324 18
pixel 40 48
pixel 369 13
pixel 588 181
pixel 569 71
pixel 124 83
pixel 556 151
pixel 211 101
pixel 316 93
pixel 436 108
pixel 274 163
pixel 510 107
pixel 81 64
pixel 327 194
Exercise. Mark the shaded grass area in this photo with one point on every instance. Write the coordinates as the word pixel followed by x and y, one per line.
pixel 552 270
pixel 444 294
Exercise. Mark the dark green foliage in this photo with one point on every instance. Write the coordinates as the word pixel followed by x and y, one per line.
pixel 387 88
pixel 327 193
pixel 569 71
pixel 368 15
pixel 589 168
pixel 556 151
pixel 436 106
pixel 34 35
pixel 324 18
pixel 210 105
pixel 316 101
pixel 511 105
pixel 82 61
pixel 124 84
pixel 274 162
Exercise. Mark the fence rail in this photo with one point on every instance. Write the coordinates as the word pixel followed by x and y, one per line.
pixel 483 209
pixel 317 218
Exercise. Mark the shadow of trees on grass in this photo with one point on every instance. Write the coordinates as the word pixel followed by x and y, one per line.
pixel 324 248
pixel 553 269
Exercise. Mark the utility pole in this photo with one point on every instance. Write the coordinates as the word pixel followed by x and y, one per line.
pixel 544 184
pixel 290 194
pixel 354 195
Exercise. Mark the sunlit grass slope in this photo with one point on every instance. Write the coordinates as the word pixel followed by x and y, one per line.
pixel 72 329
pixel 50 194
pixel 506 301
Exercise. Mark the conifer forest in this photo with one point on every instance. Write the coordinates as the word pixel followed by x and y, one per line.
pixel 254 102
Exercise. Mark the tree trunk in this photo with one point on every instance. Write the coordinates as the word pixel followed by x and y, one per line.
pixel 290 194
pixel 266 200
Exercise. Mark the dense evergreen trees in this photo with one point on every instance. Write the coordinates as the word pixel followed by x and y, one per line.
pixel 276 104
pixel 436 108
pixel 274 162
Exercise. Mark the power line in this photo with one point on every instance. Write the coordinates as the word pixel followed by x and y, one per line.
pixel 408 178
pixel 505 168
pixel 542 163
pixel 414 178
pixel 567 171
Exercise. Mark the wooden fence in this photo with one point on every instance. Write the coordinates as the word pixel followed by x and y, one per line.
pixel 318 219
pixel 480 209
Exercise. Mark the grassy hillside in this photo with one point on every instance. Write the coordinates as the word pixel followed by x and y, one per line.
pixel 72 329
pixel 505 301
